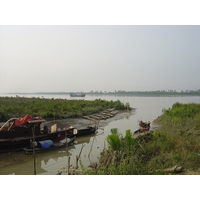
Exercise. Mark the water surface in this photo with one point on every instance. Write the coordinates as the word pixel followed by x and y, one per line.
pixel 147 109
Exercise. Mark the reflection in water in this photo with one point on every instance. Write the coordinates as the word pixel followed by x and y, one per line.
pixel 50 162
pixel 148 109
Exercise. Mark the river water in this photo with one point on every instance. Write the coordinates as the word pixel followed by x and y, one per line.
pixel 147 109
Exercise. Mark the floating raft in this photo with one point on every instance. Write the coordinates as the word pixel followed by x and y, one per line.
pixel 106 114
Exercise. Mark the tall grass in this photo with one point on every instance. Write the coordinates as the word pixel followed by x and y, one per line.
pixel 53 108
pixel 176 142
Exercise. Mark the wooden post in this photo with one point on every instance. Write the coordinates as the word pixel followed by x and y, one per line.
pixel 68 165
pixel 66 141
pixel 77 162
pixel 97 125
pixel 33 143
pixel 77 157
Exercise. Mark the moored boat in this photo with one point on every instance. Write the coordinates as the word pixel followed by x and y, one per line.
pixel 47 145
pixel 81 131
pixel 143 126
pixel 16 133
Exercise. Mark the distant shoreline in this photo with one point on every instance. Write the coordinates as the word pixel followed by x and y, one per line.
pixel 119 93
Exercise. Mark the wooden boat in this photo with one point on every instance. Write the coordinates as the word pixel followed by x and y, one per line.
pixel 143 127
pixel 48 145
pixel 16 133
pixel 81 131
pixel 77 94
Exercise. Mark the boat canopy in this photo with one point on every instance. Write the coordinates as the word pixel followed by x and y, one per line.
pixel 27 118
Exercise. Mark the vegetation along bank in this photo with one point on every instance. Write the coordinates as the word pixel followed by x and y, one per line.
pixel 54 108
pixel 175 145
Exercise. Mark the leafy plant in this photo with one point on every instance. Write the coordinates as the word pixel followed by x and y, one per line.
pixel 114 140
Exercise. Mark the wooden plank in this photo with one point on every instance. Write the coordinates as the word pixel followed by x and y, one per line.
pixel 97 118
pixel 108 113
pixel 89 118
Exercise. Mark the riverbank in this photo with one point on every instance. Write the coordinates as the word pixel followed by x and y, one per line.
pixel 80 122
pixel 175 143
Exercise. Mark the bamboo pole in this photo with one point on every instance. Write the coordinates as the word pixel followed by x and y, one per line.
pixel 94 137
pixel 77 157
pixel 66 141
pixel 68 160
pixel 68 172
pixel 91 146
pixel 77 162
pixel 33 143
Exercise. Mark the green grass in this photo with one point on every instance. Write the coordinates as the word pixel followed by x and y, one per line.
pixel 53 108
pixel 176 142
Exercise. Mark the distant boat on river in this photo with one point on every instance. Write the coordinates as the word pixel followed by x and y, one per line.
pixel 77 95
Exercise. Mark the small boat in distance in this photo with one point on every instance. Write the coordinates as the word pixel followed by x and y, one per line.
pixel 77 94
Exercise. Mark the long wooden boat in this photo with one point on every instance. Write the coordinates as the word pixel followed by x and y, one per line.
pixel 16 133
pixel 81 131
pixel 48 145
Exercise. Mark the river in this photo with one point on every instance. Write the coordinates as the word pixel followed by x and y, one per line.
pixel 48 163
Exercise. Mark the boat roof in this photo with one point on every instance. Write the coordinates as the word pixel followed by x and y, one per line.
pixel 29 119
pixel 36 121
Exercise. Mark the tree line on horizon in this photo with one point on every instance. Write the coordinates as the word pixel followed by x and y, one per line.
pixel 154 92
pixel 124 92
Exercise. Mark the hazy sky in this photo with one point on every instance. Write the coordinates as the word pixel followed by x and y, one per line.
pixel 105 58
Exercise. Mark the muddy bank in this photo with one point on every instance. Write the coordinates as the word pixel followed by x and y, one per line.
pixel 81 122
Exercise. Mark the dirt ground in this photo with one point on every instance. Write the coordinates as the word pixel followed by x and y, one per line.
pixel 81 122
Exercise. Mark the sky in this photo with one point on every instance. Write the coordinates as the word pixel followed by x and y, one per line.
pixel 64 58
pixel 106 46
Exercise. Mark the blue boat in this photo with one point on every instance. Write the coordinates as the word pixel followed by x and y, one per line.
pixel 77 95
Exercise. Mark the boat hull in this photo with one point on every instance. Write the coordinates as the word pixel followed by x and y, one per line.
pixel 58 145
pixel 77 95
pixel 82 132
pixel 17 144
